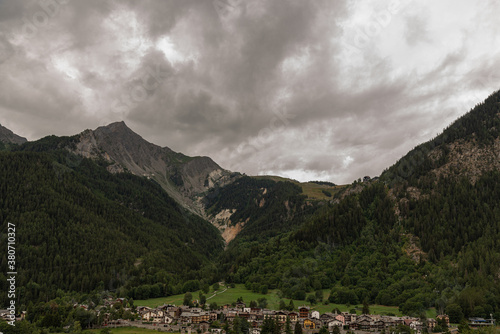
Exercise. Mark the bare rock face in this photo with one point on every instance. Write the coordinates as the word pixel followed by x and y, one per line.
pixel 185 178
pixel 8 136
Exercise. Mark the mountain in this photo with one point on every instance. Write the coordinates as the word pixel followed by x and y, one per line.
pixel 426 234
pixel 7 136
pixel 186 179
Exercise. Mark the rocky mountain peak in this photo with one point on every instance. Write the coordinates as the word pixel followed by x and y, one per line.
pixel 185 178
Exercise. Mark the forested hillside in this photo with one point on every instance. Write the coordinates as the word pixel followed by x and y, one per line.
pixel 426 235
pixel 79 227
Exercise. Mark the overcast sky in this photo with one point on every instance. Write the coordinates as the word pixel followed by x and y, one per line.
pixel 331 90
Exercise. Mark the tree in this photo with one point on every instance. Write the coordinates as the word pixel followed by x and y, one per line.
pixel 336 330
pixel 311 299
pixel 216 286
pixel 463 327
pixel 188 297
pixel 205 288
pixel 455 313
pixel 366 307
pixel 213 306
pixel 203 299
pixel 263 289
pixel 253 304
pixel 324 330
pixel 298 328
pixel 319 295
pixel 291 306
pixel 288 326
pixel 262 302
pixel 282 305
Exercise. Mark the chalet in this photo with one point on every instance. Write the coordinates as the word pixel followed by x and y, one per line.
pixel 348 318
pixel 294 316
pixel 378 324
pixel 281 317
pixel 309 324
pixel 241 305
pixel 315 314
pixel 363 323
pixel 255 331
pixel 334 323
pixel 431 323
pixel 326 317
pixel 269 314
pixel 416 326
pixel 342 318
pixel 445 317
pixel 304 312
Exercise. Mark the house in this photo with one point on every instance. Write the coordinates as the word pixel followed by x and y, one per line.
pixel 326 317
pixel 204 326
pixel 445 317
pixel 255 330
pixel 431 323
pixel 416 326
pixel 334 323
pixel 309 324
pixel 281 317
pixel 294 316
pixel 241 305
pixel 217 331
pixel 363 322
pixel 378 324
pixel 304 312
pixel 315 315
pixel 341 318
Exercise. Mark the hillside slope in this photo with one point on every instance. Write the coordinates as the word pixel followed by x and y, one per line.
pixel 79 227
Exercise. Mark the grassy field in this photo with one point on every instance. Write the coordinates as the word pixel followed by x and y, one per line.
pixel 124 330
pixel 231 295
pixel 312 190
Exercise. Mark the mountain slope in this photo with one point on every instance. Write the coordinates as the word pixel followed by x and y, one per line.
pixel 184 178
pixel 79 227
pixel 7 136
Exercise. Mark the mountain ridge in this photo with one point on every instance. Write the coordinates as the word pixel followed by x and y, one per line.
pixel 7 136
pixel 184 178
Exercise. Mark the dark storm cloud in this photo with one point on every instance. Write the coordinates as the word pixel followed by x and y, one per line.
pixel 330 90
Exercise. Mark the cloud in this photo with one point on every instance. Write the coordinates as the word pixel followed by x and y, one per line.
pixel 323 90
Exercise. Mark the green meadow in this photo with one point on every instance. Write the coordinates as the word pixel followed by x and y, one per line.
pixel 273 300
pixel 124 330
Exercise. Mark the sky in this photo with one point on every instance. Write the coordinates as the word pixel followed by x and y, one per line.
pixel 311 90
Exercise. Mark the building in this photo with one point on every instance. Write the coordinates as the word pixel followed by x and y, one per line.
pixel 304 312
pixel 480 322
pixel 445 317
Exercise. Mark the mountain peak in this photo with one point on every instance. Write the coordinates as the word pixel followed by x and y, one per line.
pixel 7 136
